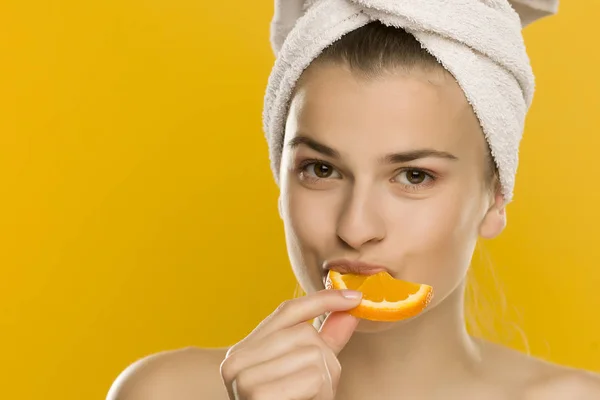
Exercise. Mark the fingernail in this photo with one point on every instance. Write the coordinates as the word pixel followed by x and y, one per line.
pixel 351 294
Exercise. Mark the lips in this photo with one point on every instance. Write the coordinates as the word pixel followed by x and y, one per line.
pixel 353 267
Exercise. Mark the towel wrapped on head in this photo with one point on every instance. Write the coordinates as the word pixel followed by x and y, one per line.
pixel 478 41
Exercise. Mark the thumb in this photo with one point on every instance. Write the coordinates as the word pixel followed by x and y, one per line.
pixel 337 329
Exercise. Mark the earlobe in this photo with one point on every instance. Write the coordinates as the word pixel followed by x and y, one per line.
pixel 494 220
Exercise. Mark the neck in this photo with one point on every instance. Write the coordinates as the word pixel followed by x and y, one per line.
pixel 410 353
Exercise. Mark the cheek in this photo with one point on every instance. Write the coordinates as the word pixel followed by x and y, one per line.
pixel 309 215
pixel 436 238
pixel 437 220
pixel 309 223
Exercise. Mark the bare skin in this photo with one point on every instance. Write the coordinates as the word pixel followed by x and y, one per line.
pixel 193 373
pixel 344 196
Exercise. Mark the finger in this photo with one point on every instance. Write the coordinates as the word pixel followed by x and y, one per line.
pixel 276 345
pixel 305 384
pixel 271 346
pixel 293 312
pixel 337 329
pixel 278 368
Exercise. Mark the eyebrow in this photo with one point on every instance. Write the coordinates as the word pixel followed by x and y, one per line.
pixel 393 158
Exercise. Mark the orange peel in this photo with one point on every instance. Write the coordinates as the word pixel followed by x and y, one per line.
pixel 384 297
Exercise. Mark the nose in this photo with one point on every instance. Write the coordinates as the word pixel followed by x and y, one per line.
pixel 361 221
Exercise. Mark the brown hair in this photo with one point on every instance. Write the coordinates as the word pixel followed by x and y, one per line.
pixel 376 49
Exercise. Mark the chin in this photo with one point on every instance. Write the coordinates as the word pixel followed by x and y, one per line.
pixel 366 326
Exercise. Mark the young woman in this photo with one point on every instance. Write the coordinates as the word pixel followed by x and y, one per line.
pixel 383 165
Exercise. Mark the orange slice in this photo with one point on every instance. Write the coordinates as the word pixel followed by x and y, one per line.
pixel 384 298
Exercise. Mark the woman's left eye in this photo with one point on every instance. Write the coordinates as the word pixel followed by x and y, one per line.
pixel 413 177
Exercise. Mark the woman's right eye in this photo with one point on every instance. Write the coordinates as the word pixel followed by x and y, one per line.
pixel 319 170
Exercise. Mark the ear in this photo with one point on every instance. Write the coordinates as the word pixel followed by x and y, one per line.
pixel 279 207
pixel 494 221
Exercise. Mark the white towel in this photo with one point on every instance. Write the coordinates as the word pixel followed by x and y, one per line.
pixel 478 41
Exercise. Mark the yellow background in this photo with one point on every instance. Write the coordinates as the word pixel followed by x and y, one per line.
pixel 138 213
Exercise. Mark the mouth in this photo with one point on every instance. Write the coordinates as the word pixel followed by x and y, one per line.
pixel 344 266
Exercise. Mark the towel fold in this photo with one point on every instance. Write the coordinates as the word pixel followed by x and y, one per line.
pixel 478 41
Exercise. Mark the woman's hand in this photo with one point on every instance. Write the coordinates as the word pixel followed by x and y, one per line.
pixel 285 357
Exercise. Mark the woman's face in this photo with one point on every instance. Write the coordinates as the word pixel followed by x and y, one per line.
pixel 388 171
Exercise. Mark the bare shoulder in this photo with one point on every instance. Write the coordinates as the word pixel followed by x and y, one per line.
pixel 538 379
pixel 565 384
pixel 189 373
